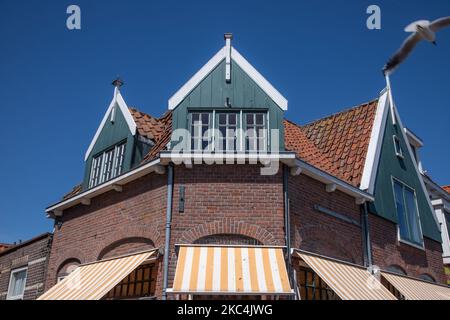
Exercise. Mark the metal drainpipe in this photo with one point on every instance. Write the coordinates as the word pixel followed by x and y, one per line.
pixel 287 223
pixel 168 229
pixel 366 231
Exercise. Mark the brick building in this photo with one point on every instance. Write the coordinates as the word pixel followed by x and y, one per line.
pixel 23 268
pixel 222 196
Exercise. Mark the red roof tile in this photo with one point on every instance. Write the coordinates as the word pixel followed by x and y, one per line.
pixel 344 139
pixel 446 188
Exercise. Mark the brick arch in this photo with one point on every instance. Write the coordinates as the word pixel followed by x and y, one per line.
pixel 72 254
pixel 131 244
pixel 411 270
pixel 143 232
pixel 228 226
pixel 310 237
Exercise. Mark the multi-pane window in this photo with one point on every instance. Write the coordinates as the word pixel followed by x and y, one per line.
pixel 312 287
pixel 17 284
pixel 227 125
pixel 200 131
pixel 256 135
pixel 138 284
pixel 227 136
pixel 107 165
pixel 407 213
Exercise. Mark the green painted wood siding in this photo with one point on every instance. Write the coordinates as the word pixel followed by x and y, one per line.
pixel 392 166
pixel 111 134
pixel 242 91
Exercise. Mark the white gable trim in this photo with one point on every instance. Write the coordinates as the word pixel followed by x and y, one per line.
pixel 201 74
pixel 375 143
pixel 273 93
pixel 119 101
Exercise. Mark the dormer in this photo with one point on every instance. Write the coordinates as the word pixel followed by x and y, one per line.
pixel 117 146
pixel 228 106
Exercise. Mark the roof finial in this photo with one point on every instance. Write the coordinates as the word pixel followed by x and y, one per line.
pixel 117 82
pixel 228 37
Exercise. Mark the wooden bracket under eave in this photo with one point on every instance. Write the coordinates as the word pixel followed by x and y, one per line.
pixel 117 188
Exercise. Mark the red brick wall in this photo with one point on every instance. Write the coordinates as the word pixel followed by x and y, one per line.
pixel 388 251
pixel 114 223
pixel 34 256
pixel 317 232
pixel 227 199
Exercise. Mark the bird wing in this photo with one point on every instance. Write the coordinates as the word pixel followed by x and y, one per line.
pixel 438 24
pixel 402 53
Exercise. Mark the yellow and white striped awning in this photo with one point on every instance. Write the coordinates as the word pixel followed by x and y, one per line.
pixel 93 281
pixel 235 270
pixel 415 289
pixel 348 281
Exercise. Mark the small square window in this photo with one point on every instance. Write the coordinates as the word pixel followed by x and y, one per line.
pixel 398 147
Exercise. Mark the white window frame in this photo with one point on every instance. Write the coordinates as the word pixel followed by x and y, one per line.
pixel 226 138
pixel 265 136
pixel 399 237
pixel 115 169
pixel 10 287
pixel 398 153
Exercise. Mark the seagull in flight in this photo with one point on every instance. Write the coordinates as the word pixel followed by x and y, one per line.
pixel 421 30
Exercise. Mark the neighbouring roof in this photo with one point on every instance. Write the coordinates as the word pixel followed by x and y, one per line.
pixel 336 144
pixel 446 188
pixel 11 248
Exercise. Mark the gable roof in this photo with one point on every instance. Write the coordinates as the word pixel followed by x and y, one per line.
pixel 158 130
pixel 117 100
pixel 343 138
pixel 221 55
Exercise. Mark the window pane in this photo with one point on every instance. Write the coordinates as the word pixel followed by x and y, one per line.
pixel 18 283
pixel 260 119
pixel 249 118
pixel 195 117
pixel 401 214
pixel 232 119
pixel 222 118
pixel 413 217
pixel 205 118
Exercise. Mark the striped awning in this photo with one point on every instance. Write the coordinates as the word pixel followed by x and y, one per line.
pixel 348 281
pixel 415 289
pixel 93 281
pixel 233 270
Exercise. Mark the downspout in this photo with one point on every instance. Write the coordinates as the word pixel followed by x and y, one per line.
pixel 366 236
pixel 287 223
pixel 168 229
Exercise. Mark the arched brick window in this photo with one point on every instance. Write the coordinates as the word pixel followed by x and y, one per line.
pixel 228 239
pixel 126 246
pixel 66 268
pixel 396 269
pixel 427 277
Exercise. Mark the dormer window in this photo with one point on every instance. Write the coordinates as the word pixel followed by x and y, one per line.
pixel 200 131
pixel 398 147
pixel 233 131
pixel 107 165
pixel 256 137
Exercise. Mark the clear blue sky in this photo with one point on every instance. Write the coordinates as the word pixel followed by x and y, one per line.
pixel 55 83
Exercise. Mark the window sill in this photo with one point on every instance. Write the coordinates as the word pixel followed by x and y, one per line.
pixel 412 244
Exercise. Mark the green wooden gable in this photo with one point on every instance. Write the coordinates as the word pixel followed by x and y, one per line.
pixel 404 170
pixel 242 92
pixel 111 134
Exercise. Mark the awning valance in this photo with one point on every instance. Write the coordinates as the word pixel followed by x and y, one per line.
pixel 415 289
pixel 231 270
pixel 348 281
pixel 93 281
